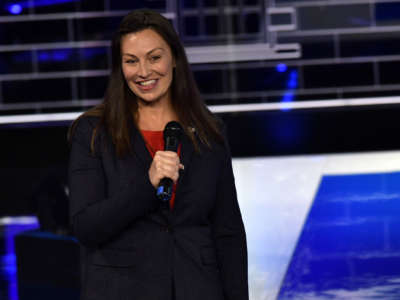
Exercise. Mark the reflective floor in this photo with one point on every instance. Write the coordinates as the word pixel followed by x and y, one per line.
pixel 322 226
pixel 349 247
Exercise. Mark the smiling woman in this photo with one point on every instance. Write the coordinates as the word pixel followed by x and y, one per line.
pixel 134 246
pixel 147 66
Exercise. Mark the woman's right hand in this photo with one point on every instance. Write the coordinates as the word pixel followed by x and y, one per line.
pixel 165 164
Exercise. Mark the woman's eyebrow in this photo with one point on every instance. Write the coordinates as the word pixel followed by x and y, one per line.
pixel 151 51
pixel 159 48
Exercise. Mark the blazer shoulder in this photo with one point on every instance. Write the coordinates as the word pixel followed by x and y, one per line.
pixel 82 130
pixel 86 123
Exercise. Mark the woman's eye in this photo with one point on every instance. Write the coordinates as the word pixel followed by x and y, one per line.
pixel 130 61
pixel 155 58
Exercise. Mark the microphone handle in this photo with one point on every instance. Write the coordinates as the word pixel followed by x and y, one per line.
pixel 164 190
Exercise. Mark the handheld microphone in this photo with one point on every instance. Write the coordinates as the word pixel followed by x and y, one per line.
pixel 172 137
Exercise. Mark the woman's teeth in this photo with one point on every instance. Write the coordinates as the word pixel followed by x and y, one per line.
pixel 149 82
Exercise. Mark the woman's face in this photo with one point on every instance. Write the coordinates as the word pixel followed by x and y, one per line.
pixel 147 65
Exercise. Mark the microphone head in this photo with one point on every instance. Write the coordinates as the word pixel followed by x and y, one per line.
pixel 173 129
pixel 172 135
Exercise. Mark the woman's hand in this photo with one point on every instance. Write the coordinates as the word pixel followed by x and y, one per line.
pixel 165 164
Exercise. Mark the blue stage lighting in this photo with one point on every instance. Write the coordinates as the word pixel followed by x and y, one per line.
pixel 39 3
pixel 9 262
pixel 54 55
pixel 61 55
pixel 287 98
pixel 281 68
pixel 292 84
pixel 15 9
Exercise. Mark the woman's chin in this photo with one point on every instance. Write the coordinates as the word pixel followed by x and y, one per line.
pixel 148 100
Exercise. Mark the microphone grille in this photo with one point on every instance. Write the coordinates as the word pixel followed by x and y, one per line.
pixel 173 129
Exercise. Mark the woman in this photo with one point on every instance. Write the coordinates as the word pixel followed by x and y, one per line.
pixel 133 248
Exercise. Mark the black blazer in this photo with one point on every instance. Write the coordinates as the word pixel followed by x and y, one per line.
pixel 134 249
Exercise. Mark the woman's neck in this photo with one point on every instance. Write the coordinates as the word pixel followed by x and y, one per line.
pixel 154 116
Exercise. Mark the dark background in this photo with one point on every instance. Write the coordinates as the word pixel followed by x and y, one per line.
pixel 35 156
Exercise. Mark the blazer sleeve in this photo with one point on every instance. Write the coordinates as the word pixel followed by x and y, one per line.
pixel 229 235
pixel 96 219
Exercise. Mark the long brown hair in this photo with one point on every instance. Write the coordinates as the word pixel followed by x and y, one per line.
pixel 119 104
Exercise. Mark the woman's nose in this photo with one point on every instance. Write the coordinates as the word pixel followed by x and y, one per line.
pixel 144 70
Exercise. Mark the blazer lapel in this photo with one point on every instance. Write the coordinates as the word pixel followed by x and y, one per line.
pixel 186 155
pixel 140 149
pixel 142 156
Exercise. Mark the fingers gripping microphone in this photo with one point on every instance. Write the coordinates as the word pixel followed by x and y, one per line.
pixel 172 137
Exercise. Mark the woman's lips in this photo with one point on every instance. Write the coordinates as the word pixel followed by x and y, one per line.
pixel 147 85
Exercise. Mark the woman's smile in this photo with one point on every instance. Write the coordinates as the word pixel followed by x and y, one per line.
pixel 147 85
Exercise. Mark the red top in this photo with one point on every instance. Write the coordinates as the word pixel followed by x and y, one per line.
pixel 155 142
